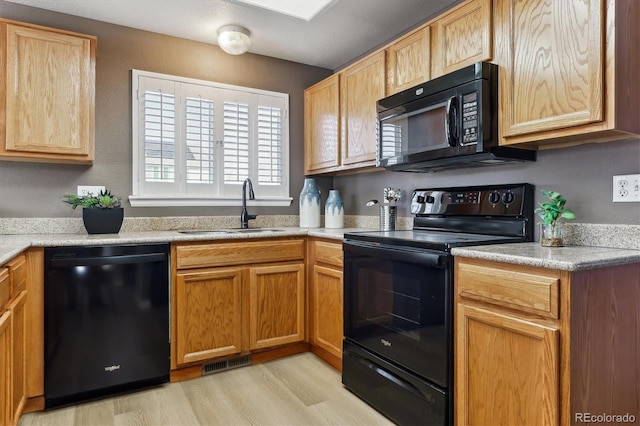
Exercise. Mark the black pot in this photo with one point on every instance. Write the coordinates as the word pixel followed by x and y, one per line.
pixel 103 221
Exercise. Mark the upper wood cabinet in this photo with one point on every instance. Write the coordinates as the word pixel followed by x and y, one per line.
pixel 409 61
pixel 341 118
pixel 361 85
pixel 461 37
pixel 47 94
pixel 321 125
pixel 567 70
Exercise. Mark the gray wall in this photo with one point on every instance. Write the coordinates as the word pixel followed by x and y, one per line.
pixel 583 174
pixel 36 189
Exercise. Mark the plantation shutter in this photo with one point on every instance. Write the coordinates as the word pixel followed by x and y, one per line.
pixel 195 142
pixel 235 141
pixel 158 127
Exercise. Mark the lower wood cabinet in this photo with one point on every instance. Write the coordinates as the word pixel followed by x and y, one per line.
pixel 505 359
pixel 236 297
pixel 542 346
pixel 13 340
pixel 208 308
pixel 326 300
pixel 5 365
pixel 276 305
pixel 18 354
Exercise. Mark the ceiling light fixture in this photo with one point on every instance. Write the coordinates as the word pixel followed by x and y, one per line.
pixel 234 39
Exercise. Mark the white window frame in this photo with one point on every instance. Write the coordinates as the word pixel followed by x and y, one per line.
pixel 218 193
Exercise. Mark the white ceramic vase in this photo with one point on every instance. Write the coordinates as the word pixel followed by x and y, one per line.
pixel 334 210
pixel 310 204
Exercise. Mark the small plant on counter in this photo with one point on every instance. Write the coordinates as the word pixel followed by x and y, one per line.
pixel 550 212
pixel 104 200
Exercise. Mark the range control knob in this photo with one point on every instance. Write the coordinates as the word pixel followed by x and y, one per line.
pixel 494 197
pixel 508 197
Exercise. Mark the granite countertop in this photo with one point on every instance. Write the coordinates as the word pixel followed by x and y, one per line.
pixel 569 258
pixel 12 245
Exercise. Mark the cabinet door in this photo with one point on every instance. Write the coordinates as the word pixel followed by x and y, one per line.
pixel 208 311
pixel 5 376
pixel 18 354
pixel 321 131
pixel 361 85
pixel 409 61
pixel 276 305
pixel 327 293
pixel 462 37
pixel 49 98
pixel 506 370
pixel 551 55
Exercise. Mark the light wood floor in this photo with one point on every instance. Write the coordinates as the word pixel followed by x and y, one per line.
pixel 297 390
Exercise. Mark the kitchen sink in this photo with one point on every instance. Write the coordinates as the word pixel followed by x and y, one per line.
pixel 251 230
pixel 227 231
pixel 204 231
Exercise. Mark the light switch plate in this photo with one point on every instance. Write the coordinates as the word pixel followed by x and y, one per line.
pixel 626 189
pixel 86 190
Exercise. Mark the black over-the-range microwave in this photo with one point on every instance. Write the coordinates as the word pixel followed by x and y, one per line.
pixel 448 122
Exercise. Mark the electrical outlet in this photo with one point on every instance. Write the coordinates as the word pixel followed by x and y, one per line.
pixel 86 190
pixel 626 189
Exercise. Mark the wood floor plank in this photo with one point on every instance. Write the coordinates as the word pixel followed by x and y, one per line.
pixel 297 390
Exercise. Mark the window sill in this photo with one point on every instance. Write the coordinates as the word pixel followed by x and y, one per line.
pixel 160 201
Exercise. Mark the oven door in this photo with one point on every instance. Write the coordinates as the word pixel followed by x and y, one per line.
pixel 397 304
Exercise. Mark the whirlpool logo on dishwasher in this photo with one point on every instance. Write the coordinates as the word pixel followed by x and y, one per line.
pixel 112 368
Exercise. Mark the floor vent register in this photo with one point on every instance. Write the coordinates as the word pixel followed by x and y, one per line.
pixel 227 364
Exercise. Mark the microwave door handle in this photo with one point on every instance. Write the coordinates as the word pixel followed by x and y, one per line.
pixel 450 125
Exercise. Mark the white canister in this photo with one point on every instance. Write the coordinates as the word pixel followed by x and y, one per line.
pixel 334 210
pixel 310 204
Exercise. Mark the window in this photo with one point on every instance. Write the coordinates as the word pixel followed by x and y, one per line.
pixel 195 142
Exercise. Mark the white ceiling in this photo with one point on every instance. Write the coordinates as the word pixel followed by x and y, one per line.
pixel 335 37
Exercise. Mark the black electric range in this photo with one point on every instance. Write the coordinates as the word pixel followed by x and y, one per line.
pixel 398 297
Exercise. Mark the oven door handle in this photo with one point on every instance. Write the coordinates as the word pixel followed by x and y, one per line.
pixel 422 257
pixel 409 387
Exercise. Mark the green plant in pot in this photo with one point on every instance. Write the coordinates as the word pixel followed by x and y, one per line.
pixel 551 212
pixel 101 214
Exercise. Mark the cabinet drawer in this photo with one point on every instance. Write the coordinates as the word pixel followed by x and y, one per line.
pixel 18 274
pixel 525 289
pixel 227 254
pixel 5 288
pixel 326 252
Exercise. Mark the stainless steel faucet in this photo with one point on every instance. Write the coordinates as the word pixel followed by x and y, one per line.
pixel 245 217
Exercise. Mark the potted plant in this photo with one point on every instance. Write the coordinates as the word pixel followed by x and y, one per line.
pixel 101 214
pixel 550 212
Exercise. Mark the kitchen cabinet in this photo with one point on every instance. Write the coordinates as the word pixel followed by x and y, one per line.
pixel 341 117
pixel 235 297
pixel 276 305
pixel 325 264
pixel 361 85
pixel 461 37
pixel 18 354
pixel 208 308
pixel 408 61
pixel 13 338
pixel 567 70
pixel 47 94
pixel 321 129
pixel 530 342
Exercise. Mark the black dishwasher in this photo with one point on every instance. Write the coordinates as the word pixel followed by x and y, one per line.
pixel 106 320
